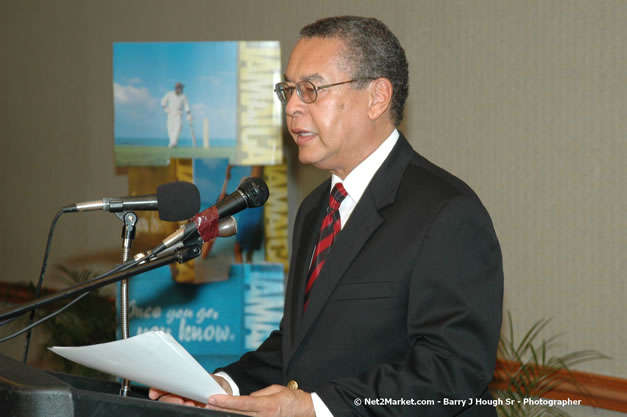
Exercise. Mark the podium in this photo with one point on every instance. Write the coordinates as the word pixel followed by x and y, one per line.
pixel 31 392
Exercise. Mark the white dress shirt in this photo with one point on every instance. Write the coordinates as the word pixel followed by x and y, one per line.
pixel 358 179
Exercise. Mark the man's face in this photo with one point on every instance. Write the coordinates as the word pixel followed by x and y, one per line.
pixel 178 90
pixel 329 132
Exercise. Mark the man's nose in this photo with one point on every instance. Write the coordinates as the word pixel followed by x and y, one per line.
pixel 294 105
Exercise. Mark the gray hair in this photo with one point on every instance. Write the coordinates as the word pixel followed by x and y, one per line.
pixel 371 51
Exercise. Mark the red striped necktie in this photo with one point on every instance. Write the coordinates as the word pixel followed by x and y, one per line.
pixel 331 226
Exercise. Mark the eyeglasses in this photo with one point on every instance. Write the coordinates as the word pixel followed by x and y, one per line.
pixel 306 90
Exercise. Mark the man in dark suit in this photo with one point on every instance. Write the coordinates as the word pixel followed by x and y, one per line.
pixel 393 305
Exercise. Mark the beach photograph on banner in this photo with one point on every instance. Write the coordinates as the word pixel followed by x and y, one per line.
pixel 196 100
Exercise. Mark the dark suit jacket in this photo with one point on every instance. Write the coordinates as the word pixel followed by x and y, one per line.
pixel 407 306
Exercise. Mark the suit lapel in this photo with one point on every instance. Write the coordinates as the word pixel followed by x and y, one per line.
pixel 363 222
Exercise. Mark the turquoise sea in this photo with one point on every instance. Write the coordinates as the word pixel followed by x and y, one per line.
pixel 183 142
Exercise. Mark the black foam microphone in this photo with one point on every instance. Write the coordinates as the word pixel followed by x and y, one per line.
pixel 175 201
pixel 252 192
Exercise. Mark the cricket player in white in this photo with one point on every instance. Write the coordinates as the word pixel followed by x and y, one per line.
pixel 174 103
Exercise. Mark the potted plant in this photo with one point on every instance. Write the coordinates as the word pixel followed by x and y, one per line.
pixel 529 371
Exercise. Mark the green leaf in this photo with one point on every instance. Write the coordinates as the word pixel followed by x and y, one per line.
pixel 539 371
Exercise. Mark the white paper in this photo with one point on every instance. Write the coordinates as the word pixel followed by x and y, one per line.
pixel 154 358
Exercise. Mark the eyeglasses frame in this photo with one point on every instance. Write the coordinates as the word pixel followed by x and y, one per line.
pixel 277 88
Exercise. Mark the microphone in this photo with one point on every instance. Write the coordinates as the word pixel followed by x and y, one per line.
pixel 214 221
pixel 179 239
pixel 175 201
pixel 252 192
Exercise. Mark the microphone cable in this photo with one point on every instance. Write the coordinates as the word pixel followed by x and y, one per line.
pixel 118 268
pixel 38 322
pixel 39 287
pixel 176 201
pixel 39 284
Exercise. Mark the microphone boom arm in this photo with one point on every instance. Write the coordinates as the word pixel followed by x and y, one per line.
pixel 181 255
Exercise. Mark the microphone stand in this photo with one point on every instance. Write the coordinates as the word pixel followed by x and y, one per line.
pixel 128 234
pixel 181 255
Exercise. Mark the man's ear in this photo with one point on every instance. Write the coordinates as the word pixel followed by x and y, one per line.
pixel 380 97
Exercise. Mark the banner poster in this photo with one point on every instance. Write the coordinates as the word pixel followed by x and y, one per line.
pixel 196 100
pixel 205 112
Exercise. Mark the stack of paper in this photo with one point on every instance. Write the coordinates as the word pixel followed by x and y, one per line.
pixel 153 358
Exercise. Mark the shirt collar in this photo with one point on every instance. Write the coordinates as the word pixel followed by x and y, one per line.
pixel 358 179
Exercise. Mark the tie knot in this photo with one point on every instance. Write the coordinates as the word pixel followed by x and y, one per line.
pixel 338 193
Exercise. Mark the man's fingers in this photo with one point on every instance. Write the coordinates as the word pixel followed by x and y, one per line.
pixel 166 397
pixel 173 399
pixel 159 395
pixel 154 393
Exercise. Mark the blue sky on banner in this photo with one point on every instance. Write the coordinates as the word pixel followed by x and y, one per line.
pixel 144 71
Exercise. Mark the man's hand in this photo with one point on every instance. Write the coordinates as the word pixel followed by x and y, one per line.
pixel 273 401
pixel 166 397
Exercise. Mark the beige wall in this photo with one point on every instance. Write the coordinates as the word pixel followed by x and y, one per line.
pixel 525 100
